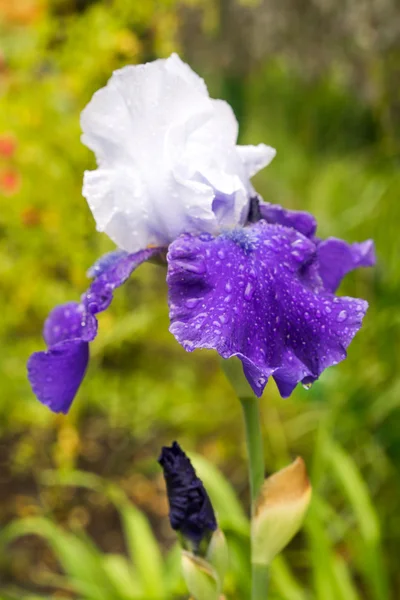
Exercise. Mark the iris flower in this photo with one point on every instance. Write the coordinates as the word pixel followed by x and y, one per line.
pixel 246 278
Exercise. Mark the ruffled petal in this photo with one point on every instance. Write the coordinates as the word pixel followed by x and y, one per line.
pixel 56 374
pixel 336 258
pixel 167 157
pixel 255 293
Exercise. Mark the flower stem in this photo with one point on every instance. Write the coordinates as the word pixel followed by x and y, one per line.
pixel 259 573
pixel 254 444
pixel 255 449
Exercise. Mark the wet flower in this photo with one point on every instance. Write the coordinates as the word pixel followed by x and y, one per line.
pixel 191 512
pixel 246 278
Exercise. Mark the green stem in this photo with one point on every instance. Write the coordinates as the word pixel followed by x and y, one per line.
pixel 255 449
pixel 254 443
pixel 260 580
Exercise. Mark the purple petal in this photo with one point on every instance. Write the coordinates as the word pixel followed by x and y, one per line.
pixel 302 221
pixel 114 271
pixel 337 258
pixel 69 322
pixel 256 294
pixel 55 375
pixel 105 262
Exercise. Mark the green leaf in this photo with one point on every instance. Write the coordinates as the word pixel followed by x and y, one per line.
pixel 228 508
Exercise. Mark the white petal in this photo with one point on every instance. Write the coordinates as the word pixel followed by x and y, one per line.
pixel 255 158
pixel 167 156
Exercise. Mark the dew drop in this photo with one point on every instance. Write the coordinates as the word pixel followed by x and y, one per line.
pixel 191 302
pixel 228 287
pixel 249 291
pixel 221 254
pixel 306 386
pixel 328 309
pixel 297 255
pixel 307 316
pixel 227 298
pixel 342 316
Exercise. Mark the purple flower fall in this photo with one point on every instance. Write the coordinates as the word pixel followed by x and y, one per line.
pixel 246 278
pixel 190 509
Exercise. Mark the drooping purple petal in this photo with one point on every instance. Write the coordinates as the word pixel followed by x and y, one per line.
pixel 68 322
pixel 56 374
pixel 105 262
pixel 302 221
pixel 336 258
pixel 119 268
pixel 255 293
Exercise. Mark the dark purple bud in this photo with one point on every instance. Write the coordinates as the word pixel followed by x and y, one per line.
pixel 190 509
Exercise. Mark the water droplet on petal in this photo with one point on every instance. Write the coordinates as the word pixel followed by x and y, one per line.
pixel 228 287
pixel 306 386
pixel 342 316
pixel 249 291
pixel 328 309
pixel 191 302
pixel 221 254
pixel 307 316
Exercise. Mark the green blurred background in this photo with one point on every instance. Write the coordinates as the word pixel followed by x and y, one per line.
pixel 318 81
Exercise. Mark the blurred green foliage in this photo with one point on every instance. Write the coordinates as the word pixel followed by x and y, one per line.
pixel 142 389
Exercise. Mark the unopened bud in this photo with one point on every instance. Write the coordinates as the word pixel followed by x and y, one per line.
pixel 200 577
pixel 217 555
pixel 280 511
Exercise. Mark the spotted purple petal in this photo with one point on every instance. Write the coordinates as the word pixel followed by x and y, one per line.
pixel 255 293
pixel 337 258
pixel 56 374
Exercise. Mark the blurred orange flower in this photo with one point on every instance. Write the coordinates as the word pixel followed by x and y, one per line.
pixel 10 181
pixel 21 12
pixel 8 144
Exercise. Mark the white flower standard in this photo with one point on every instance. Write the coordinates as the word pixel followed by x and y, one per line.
pixel 167 157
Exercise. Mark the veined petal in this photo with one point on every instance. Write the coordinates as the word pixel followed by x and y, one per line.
pixel 336 258
pixel 255 293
